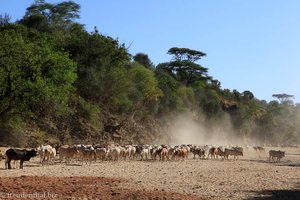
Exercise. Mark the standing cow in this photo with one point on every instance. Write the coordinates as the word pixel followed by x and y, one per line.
pixel 18 154
pixel 276 154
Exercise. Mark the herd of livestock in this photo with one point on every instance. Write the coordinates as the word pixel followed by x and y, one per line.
pixel 88 153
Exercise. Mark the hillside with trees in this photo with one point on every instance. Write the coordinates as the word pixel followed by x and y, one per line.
pixel 61 84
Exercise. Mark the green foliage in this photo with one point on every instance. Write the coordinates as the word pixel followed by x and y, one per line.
pixel 38 22
pixel 89 111
pixel 132 88
pixel 61 14
pixel 187 97
pixel 34 78
pixel 247 95
pixel 144 60
pixel 145 90
pixel 116 94
pixel 12 130
pixel 170 100
pixel 210 103
pixel 100 62
pixel 185 54
pixel 183 67
pixel 4 19
pixel 284 98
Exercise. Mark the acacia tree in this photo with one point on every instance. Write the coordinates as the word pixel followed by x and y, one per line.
pixel 183 66
pixel 284 98
pixel 185 54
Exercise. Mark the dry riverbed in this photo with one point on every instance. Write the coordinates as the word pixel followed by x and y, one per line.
pixel 251 177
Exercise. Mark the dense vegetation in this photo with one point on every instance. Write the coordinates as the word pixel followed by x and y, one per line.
pixel 62 84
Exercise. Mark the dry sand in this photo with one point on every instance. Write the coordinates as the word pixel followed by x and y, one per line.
pixel 251 177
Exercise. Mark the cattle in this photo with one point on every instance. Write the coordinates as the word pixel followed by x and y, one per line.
pixel 232 152
pixel 145 154
pixel 259 148
pixel 124 153
pixel 66 152
pixel 182 153
pixel 138 150
pixel 164 154
pixel 212 152
pixel 174 151
pixel 155 152
pixel 114 153
pixel 18 154
pixel 101 153
pixel 87 154
pixel 47 153
pixel 131 152
pixel 276 154
pixel 196 150
pixel 238 148
pixel 40 151
pixel 220 152
pixel 1 156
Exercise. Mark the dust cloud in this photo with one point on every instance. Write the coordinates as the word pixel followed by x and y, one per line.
pixel 188 129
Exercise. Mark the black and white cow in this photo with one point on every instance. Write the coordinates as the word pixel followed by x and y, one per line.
pixel 18 154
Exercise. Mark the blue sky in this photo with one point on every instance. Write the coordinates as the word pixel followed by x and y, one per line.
pixel 250 45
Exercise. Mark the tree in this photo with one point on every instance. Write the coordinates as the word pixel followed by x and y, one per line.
pixel 35 79
pixel 61 14
pixel 170 100
pixel 190 55
pixel 38 22
pixel 247 95
pixel 144 90
pixel 4 19
pixel 208 101
pixel 183 67
pixel 144 60
pixel 284 98
pixel 101 65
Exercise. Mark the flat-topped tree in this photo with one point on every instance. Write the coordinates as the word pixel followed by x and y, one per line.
pixel 284 98
pixel 185 54
pixel 183 66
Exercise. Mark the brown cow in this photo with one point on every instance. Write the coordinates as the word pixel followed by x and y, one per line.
pixel 220 152
pixel 232 152
pixel 183 153
pixel 276 154
pixel 212 152
pixel 66 152
pixel 88 155
pixel 164 154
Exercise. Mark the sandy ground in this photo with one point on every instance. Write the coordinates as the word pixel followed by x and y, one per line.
pixel 251 177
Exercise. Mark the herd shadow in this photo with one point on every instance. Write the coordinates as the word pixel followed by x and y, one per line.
pixel 277 195
pixel 287 163
pixel 292 194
